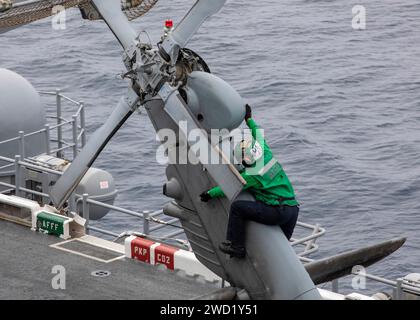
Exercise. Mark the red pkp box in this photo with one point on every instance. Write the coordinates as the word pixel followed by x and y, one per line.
pixel 140 249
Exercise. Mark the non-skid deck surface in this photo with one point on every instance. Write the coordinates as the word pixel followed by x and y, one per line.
pixel 26 262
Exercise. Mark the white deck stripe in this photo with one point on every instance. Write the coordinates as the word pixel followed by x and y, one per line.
pixel 58 246
pixel 116 247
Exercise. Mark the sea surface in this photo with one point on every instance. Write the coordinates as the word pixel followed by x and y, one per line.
pixel 340 107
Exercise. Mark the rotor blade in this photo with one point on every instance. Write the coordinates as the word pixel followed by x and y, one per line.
pixel 112 14
pixel 189 25
pixel 340 265
pixel 225 174
pixel 71 177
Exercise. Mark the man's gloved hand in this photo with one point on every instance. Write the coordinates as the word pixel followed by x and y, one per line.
pixel 248 112
pixel 205 197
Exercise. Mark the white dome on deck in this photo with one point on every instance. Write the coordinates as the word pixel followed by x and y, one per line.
pixel 20 110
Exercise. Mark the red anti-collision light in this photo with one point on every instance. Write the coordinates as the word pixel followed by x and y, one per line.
pixel 169 23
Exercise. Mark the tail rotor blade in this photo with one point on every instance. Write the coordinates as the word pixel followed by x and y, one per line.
pixel 66 184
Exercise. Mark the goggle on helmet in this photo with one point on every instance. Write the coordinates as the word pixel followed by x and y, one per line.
pixel 247 152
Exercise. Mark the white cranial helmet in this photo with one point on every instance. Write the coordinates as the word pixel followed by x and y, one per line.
pixel 247 152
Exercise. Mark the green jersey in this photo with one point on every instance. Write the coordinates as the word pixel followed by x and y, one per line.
pixel 270 182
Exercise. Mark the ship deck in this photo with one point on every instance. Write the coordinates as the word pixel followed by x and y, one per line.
pixel 27 259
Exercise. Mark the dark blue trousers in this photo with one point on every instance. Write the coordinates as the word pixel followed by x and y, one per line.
pixel 241 211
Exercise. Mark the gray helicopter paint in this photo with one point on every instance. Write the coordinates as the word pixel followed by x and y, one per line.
pixel 189 25
pixel 229 178
pixel 207 95
pixel 277 264
pixel 206 224
pixel 271 269
pixel 116 20
pixel 75 172
pixel 281 275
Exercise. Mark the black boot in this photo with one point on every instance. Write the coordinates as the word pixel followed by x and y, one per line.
pixel 233 251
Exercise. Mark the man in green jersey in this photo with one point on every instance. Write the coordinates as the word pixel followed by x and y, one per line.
pixel 265 178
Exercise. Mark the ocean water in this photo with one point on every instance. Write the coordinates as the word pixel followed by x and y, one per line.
pixel 340 107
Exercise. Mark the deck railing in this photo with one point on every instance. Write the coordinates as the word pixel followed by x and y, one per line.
pixel 76 124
